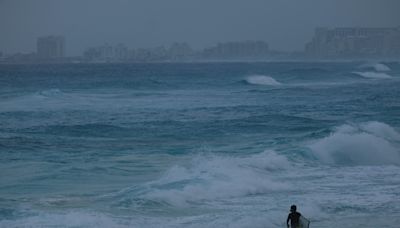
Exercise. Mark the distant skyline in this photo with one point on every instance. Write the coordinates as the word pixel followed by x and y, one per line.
pixel 286 24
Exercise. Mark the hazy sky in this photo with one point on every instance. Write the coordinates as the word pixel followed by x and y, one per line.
pixel 284 24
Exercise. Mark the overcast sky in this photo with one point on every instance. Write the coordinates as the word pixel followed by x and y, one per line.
pixel 284 24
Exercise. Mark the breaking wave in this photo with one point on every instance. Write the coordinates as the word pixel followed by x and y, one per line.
pixel 99 220
pixel 371 143
pixel 50 93
pixel 210 178
pixel 262 80
pixel 379 67
pixel 374 75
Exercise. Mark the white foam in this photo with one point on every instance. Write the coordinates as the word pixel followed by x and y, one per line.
pixel 371 143
pixel 262 80
pixel 381 130
pixel 249 218
pixel 374 75
pixel 50 93
pixel 380 67
pixel 217 177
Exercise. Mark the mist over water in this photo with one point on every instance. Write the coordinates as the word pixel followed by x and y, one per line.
pixel 199 145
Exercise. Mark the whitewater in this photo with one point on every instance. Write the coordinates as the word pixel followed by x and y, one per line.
pixel 200 144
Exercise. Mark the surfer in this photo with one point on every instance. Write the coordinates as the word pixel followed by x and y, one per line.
pixel 294 217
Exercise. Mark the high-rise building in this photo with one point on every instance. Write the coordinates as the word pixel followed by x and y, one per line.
pixel 120 52
pixel 354 42
pixel 238 50
pixel 107 53
pixel 51 47
pixel 180 51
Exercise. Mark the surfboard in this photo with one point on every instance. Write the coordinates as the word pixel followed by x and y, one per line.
pixel 304 223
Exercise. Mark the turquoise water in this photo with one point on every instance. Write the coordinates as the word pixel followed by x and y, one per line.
pixel 199 145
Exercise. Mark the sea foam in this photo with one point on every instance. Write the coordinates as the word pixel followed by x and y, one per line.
pixel 216 177
pixel 50 93
pixel 379 67
pixel 371 143
pixel 374 75
pixel 262 80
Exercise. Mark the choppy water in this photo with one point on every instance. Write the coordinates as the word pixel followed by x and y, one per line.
pixel 200 145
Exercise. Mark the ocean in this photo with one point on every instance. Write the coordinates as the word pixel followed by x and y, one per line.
pixel 200 144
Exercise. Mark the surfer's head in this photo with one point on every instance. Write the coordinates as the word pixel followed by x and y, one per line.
pixel 293 208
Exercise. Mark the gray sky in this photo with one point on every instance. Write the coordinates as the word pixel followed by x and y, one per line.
pixel 284 24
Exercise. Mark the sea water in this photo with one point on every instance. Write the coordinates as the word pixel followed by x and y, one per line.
pixel 199 144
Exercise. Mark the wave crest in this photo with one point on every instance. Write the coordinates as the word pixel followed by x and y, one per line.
pixel 371 143
pixel 262 80
pixel 379 67
pixel 50 93
pixel 374 75
pixel 214 177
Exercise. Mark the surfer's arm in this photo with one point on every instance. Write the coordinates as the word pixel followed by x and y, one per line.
pixel 287 220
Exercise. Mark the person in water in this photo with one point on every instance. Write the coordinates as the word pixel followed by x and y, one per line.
pixel 294 217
